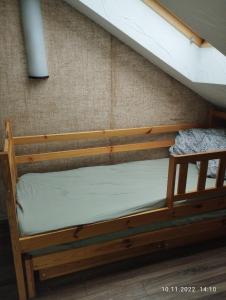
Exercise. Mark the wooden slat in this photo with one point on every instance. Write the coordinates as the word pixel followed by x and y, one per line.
pixel 67 235
pixel 31 289
pixel 194 157
pixel 92 151
pixel 128 253
pixel 20 140
pixel 182 180
pixel 221 173
pixel 171 182
pixel 175 21
pixel 202 175
pixel 11 150
pixel 13 224
pixel 6 145
pixel 73 255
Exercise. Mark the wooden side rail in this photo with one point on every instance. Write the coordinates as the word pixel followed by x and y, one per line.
pixel 30 158
pixel 176 189
pixel 9 148
pixel 88 135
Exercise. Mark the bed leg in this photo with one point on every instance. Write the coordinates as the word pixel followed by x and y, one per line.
pixel 21 286
pixel 31 289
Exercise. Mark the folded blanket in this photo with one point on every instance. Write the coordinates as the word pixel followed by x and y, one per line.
pixel 200 140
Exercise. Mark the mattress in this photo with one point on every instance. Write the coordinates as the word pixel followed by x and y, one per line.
pixel 54 200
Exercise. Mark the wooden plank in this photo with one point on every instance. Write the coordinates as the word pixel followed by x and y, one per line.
pixel 67 235
pixel 175 21
pixel 31 158
pixel 73 255
pixel 6 145
pixel 181 188
pixel 194 157
pixel 31 289
pixel 202 175
pixel 20 140
pixel 210 192
pixel 171 182
pixel 11 150
pixel 14 231
pixel 221 173
pixel 128 253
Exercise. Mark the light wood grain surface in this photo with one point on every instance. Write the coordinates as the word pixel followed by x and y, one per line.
pixel 136 279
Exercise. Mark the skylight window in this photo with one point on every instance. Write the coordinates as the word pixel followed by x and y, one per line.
pixel 176 22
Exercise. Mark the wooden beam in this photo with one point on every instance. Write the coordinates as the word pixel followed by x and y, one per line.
pixel 210 192
pixel 175 21
pixel 6 145
pixel 182 181
pixel 202 175
pixel 28 265
pixel 221 173
pixel 67 235
pixel 13 224
pixel 73 255
pixel 128 253
pixel 171 182
pixel 21 140
pixel 31 158
pixel 194 157
pixel 11 149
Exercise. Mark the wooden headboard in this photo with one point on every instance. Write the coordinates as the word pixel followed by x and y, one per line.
pixel 217 118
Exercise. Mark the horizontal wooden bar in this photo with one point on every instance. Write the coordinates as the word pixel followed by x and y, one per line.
pixel 167 244
pixel 67 235
pixel 194 157
pixel 203 193
pixel 183 172
pixel 21 140
pixel 96 261
pixel 31 158
pixel 73 255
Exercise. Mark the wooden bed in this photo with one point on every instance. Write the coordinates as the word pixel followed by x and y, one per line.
pixel 63 262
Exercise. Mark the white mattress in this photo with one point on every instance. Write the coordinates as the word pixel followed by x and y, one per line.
pixel 86 195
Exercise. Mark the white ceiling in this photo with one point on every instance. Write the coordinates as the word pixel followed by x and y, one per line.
pixel 206 17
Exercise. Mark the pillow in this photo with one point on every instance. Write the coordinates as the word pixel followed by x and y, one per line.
pixel 200 140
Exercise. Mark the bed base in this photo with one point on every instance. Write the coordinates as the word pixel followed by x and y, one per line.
pixel 70 261
pixel 202 200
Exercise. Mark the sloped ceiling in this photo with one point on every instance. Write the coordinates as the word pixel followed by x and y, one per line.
pixel 206 17
pixel 201 69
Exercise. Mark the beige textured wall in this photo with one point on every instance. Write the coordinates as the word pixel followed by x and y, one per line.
pixel 95 81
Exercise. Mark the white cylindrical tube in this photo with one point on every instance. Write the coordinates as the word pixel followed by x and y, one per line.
pixel 34 38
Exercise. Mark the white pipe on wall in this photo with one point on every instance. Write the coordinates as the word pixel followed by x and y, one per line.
pixel 34 38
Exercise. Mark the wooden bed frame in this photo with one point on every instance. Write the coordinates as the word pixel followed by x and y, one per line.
pixel 67 261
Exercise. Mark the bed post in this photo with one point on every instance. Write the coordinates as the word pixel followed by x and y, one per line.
pixel 171 182
pixel 10 177
pixel 210 118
